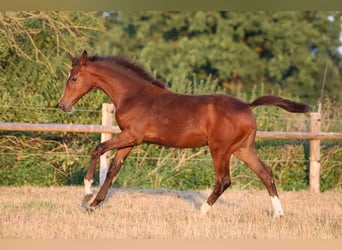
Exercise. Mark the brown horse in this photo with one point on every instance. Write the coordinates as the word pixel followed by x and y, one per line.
pixel 146 111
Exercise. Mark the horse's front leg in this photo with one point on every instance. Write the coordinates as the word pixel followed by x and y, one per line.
pixel 120 156
pixel 89 177
pixel 122 140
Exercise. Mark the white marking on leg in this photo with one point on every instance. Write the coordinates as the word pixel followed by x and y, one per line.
pixel 278 210
pixel 205 209
pixel 87 186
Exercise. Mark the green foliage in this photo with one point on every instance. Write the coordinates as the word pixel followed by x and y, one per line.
pixel 157 167
pixel 247 54
pixel 33 69
pixel 38 160
pixel 34 61
pixel 283 50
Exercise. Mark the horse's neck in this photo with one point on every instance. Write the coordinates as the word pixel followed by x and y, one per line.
pixel 119 87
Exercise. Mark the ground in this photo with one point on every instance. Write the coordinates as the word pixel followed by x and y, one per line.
pixel 58 213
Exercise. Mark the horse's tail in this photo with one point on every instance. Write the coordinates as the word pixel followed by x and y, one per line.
pixel 271 100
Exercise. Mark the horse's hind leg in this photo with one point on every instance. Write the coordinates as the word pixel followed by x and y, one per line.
pixel 222 178
pixel 249 156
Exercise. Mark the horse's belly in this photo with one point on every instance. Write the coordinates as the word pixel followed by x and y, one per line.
pixel 179 140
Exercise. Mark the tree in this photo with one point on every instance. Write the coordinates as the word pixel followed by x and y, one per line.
pixel 282 50
pixel 33 68
pixel 33 56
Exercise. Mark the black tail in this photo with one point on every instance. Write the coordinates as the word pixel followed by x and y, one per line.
pixel 271 100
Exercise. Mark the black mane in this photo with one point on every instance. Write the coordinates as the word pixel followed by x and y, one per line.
pixel 132 65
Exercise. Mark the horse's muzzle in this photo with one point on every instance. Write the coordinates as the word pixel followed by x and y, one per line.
pixel 64 107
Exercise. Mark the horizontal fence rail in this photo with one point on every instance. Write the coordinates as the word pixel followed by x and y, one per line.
pixel 299 135
pixel 45 127
pixel 314 135
pixel 82 128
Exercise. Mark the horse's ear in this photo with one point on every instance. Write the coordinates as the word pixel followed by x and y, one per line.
pixel 72 58
pixel 84 57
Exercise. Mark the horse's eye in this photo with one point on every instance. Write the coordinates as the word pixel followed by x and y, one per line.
pixel 74 78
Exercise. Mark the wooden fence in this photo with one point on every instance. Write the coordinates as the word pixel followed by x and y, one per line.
pixel 106 130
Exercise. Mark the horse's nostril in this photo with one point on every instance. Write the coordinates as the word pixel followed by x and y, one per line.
pixel 60 105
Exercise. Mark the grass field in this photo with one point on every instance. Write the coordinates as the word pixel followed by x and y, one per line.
pixel 57 213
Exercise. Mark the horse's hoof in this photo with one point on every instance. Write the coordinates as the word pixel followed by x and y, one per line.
pixel 278 216
pixel 90 210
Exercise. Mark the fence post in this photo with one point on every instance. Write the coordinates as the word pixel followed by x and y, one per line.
pixel 108 120
pixel 315 164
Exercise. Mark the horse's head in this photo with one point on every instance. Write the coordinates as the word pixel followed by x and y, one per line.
pixel 78 83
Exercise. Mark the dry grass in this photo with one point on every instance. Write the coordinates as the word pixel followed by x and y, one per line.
pixel 56 213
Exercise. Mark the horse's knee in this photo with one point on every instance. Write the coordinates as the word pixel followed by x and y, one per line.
pixel 98 151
